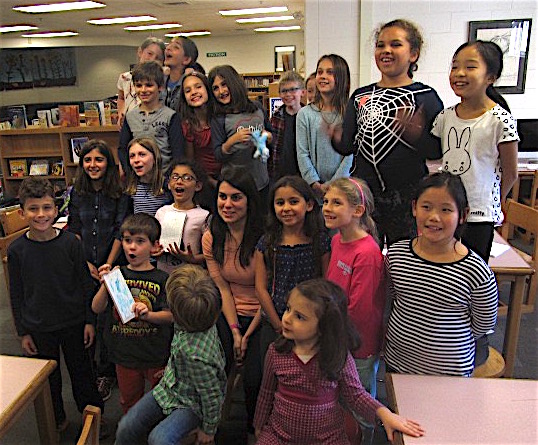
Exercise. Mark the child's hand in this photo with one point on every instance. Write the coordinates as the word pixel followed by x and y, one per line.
pixel 183 255
pixel 89 335
pixel 203 438
pixel 28 345
pixel 413 124
pixel 318 189
pixel 393 422
pixel 244 346
pixel 93 270
pixel 158 251
pixel 242 135
pixel 238 338
pixel 140 310
pixel 159 374
pixel 103 270
pixel 257 432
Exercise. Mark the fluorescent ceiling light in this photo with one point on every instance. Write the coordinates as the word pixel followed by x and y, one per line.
pixel 188 34
pixel 253 11
pixel 118 20
pixel 266 19
pixel 153 27
pixel 43 35
pixel 56 7
pixel 278 28
pixel 17 28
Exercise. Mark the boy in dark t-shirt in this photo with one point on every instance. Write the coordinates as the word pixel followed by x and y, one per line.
pixel 139 348
pixel 51 290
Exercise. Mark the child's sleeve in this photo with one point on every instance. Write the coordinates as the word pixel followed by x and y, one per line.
pixel 123 209
pixel 176 141
pixel 218 137
pixel 306 166
pixel 484 303
pixel 429 145
pixel 268 386
pixel 354 394
pixel 86 281
pixel 346 146
pixel 74 224
pixel 207 383
pixel 16 290
pixel 126 135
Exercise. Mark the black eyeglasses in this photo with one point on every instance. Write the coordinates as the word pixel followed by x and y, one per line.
pixel 186 177
pixel 290 90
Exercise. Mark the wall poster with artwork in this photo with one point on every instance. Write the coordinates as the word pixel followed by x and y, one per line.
pixel 30 68
pixel 513 37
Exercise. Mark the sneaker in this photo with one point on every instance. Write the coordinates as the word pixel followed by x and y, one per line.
pixel 104 386
pixel 62 426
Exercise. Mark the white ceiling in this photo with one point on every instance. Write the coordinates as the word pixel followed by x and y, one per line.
pixel 194 15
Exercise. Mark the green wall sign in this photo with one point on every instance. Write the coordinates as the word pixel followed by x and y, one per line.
pixel 216 54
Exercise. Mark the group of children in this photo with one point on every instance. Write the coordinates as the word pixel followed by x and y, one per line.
pixel 288 300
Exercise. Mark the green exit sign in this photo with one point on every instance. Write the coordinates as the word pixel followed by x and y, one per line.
pixel 216 54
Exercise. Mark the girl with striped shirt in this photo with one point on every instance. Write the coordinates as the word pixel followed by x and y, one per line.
pixel 444 295
pixel 145 179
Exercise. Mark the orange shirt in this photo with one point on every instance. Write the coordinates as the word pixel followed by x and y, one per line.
pixel 240 279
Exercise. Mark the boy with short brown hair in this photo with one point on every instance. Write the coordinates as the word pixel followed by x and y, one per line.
pixel 51 290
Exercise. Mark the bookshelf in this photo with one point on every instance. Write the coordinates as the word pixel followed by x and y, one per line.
pixel 258 86
pixel 51 144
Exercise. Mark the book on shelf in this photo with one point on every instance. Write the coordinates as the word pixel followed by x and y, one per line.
pixel 17 116
pixel 76 147
pixel 39 167
pixel 45 118
pixel 69 115
pixel 18 167
pixel 111 113
pixel 57 168
pixel 94 113
pixel 55 116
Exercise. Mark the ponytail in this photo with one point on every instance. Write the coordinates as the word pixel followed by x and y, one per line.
pixel 496 97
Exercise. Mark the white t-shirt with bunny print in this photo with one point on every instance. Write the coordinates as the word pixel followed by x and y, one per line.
pixel 470 151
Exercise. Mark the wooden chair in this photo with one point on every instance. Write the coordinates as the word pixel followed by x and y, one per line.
pixel 492 367
pixel 5 241
pixel 517 215
pixel 532 200
pixel 91 422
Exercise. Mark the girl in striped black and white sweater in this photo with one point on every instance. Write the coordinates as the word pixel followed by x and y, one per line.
pixel 444 295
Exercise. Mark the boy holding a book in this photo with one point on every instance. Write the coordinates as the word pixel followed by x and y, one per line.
pixel 140 347
pixel 51 291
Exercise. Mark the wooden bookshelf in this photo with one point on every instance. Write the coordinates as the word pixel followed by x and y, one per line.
pixel 258 86
pixel 53 144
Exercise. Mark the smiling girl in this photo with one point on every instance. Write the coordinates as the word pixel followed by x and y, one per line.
pixel 479 139
pixel 444 295
pixel 236 117
pixel 195 110
pixel 387 128
pixel 145 179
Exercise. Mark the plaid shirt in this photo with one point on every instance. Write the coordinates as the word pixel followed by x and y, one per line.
pixel 278 122
pixel 194 377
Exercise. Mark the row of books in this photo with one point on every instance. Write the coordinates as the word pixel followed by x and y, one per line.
pixel 96 113
pixel 19 167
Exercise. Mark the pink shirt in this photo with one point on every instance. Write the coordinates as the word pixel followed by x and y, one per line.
pixel 357 267
pixel 240 279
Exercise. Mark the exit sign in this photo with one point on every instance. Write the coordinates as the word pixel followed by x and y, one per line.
pixel 216 54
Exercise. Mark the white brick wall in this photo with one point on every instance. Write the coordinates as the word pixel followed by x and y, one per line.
pixel 445 26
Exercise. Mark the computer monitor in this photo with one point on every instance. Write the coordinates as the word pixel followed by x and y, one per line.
pixel 528 144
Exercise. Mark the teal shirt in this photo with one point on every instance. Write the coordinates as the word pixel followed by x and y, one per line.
pixel 194 377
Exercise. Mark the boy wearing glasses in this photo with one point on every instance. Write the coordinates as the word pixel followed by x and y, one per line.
pixel 185 182
pixel 283 160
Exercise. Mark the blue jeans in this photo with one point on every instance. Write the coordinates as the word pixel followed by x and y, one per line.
pixel 367 369
pixel 147 418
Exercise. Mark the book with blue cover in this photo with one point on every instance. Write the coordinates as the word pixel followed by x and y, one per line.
pixel 17 116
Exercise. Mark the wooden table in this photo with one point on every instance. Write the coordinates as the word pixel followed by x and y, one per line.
pixel 459 410
pixel 510 263
pixel 23 381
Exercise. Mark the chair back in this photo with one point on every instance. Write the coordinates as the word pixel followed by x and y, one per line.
pixel 517 215
pixel 91 422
